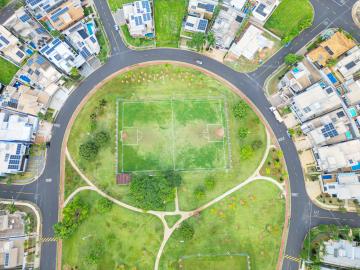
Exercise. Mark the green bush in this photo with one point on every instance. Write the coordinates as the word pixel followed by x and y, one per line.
pixel 257 144
pixel 101 138
pixel 199 192
pixel 243 132
pixel 210 183
pixel 185 232
pixel 291 59
pixel 96 251
pixel 240 109
pixel 174 178
pixel 88 150
pixel 246 152
pixel 104 205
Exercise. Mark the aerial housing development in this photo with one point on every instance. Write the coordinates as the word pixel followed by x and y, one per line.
pixel 180 134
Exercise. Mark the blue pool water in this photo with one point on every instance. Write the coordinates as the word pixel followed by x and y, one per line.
pixel 348 135
pixel 326 176
pixel 352 112
pixel 356 167
pixel 90 27
pixel 332 78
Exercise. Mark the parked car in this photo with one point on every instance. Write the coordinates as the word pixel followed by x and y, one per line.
pixel 199 62
pixel 116 27
pixel 276 114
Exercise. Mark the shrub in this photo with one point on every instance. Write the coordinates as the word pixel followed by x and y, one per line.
pixel 96 252
pixel 88 150
pixel 174 178
pixel 291 59
pixel 257 144
pixel 199 192
pixel 185 232
pixel 197 42
pixel 243 132
pixel 246 152
pixel 104 205
pixel 210 183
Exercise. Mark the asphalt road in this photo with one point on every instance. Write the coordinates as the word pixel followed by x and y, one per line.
pixel 304 214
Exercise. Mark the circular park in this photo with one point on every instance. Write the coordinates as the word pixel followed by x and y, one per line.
pixel 169 168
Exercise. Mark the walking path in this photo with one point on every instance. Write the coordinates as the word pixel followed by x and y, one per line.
pixel 184 215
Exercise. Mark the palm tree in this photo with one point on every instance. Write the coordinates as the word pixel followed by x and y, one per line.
pixel 210 38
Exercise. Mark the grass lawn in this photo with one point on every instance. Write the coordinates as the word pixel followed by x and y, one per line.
pixel 116 4
pixel 72 180
pixel 166 82
pixel 8 70
pixel 249 221
pixel 214 263
pixel 288 17
pixel 168 19
pixel 136 42
pixel 172 135
pixel 272 86
pixel 103 42
pixel 127 239
pixel 172 219
pixel 3 3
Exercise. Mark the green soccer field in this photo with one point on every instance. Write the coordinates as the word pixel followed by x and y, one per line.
pixel 177 134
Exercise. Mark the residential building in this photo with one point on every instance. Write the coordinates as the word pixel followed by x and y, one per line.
pixel 65 15
pixel 12 240
pixel 352 95
pixel 345 156
pixel 82 36
pixel 237 4
pixel 263 9
pixel 344 186
pixel 195 24
pixel 251 42
pixel 138 17
pixel 331 128
pixel 297 79
pixel 349 64
pixel 10 46
pixel 17 127
pixel 342 253
pixel 332 48
pixel 202 8
pixel 62 56
pixel 38 73
pixel 317 100
pixel 24 26
pixel 226 26
pixel 41 7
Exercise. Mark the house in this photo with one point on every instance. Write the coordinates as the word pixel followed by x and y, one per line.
pixel 237 4
pixel 297 79
pixel 62 56
pixel 12 240
pixel 263 9
pixel 65 15
pixel 352 95
pixel 349 64
pixel 202 8
pixel 317 100
pixel 82 36
pixel 251 42
pixel 10 46
pixel 138 17
pixel 331 128
pixel 345 187
pixel 39 8
pixel 226 26
pixel 345 155
pixel 195 24
pixel 342 253
pixel 332 48
pixel 17 127
pixel 24 26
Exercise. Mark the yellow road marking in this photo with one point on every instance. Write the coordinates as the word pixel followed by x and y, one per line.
pixel 292 258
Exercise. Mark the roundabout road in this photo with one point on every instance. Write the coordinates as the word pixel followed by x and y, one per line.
pixel 304 214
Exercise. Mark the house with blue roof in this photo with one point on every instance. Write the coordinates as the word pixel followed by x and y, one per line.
pixel 199 14
pixel 10 46
pixel 62 55
pixel 39 8
pixel 138 17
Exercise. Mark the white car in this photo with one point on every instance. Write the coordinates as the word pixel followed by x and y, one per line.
pixel 276 114
pixel 116 27
pixel 199 62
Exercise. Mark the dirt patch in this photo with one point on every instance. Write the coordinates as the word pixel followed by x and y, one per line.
pixel 219 133
pixel 124 136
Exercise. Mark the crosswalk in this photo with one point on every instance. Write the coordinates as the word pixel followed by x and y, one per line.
pixel 291 258
pixel 48 239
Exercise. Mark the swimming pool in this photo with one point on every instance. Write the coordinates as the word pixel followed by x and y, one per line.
pixel 352 112
pixel 348 135
pixel 90 27
pixel 331 77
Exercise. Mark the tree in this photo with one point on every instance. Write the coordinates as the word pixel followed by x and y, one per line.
pixel 102 102
pixel 185 232
pixel 11 208
pixel 291 59
pixel 210 39
pixel 257 144
pixel 243 132
pixel 331 62
pixel 101 138
pixel 240 109
pixel 174 178
pixel 246 152
pixel 88 150
pixel 151 192
pixel 74 73
pixel 197 41
pixel 73 215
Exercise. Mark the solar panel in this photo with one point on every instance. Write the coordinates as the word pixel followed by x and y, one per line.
pixel 350 65
pixel 25 18
pixel 18 149
pixel 15 156
pixel 13 167
pixel 202 25
pixel 329 131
